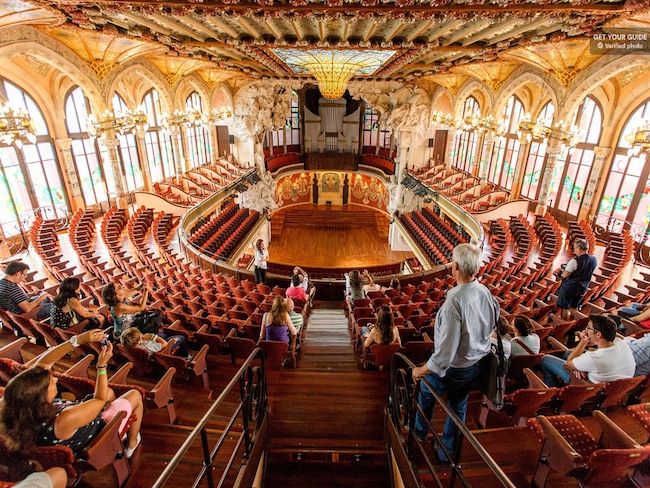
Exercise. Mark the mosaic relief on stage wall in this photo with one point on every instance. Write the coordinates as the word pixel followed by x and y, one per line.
pixel 368 191
pixel 331 183
pixel 293 189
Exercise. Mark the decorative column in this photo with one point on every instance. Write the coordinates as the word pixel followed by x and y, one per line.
pixel 486 155
pixel 186 150
pixel 179 161
pixel 451 135
pixel 215 142
pixel 144 160
pixel 555 151
pixel 520 169
pixel 258 153
pixel 600 156
pixel 110 144
pixel 5 252
pixel 64 147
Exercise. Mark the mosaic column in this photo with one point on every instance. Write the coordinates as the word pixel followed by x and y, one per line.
pixel 64 147
pixel 554 152
pixel 179 160
pixel 451 134
pixel 110 143
pixel 520 169
pixel 144 160
pixel 486 155
pixel 600 156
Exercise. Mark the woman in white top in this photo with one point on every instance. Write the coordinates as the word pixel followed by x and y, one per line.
pixel 525 340
pixel 261 256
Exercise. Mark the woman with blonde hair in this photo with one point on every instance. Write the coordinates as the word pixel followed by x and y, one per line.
pixel 277 325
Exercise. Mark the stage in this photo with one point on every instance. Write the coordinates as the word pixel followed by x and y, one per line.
pixel 335 236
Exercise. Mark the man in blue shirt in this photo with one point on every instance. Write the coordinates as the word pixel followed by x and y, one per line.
pixel 14 299
pixel 463 328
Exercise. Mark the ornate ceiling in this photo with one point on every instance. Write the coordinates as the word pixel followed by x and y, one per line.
pixel 442 41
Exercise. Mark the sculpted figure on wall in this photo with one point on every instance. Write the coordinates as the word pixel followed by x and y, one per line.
pixel 402 200
pixel 259 197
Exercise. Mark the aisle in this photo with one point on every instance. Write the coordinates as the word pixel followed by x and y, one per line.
pixel 327 410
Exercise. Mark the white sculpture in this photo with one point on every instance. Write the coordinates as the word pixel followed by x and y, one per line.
pixel 402 200
pixel 259 197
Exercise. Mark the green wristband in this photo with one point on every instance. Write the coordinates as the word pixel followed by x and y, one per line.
pixel 101 371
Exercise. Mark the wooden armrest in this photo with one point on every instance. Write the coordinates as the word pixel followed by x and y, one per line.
pixel 534 381
pixel 161 393
pixel 556 344
pixel 168 348
pixel 426 338
pixel 561 455
pixel 80 369
pixel 121 374
pixel 199 363
pixel 612 436
pixel 12 350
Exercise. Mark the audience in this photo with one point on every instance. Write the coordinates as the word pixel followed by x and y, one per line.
pixel 641 352
pixel 277 325
pixel 370 285
pixel 296 290
pixel 51 478
pixel 505 331
pixel 525 341
pixel 309 288
pixel 384 331
pixel 67 310
pixel 612 360
pixel 31 414
pixel 296 318
pixel 462 333
pixel 394 284
pixel 576 276
pixel 127 315
pixel 14 299
pixel 151 343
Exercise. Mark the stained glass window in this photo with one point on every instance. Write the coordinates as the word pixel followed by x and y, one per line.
pixel 505 153
pixel 128 152
pixel 625 197
pixel 158 143
pixel 30 177
pixel 198 137
pixel 465 143
pixel 537 157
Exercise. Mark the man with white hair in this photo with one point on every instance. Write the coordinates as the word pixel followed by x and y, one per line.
pixel 462 333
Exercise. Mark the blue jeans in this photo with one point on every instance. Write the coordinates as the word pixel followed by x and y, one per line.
pixel 553 369
pixel 632 310
pixel 180 347
pixel 457 383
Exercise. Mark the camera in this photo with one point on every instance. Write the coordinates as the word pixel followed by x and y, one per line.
pixel 104 342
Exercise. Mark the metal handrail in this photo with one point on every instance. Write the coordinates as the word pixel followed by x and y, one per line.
pixel 403 407
pixel 253 407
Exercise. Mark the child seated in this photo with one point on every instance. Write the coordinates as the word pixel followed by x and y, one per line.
pixel 151 343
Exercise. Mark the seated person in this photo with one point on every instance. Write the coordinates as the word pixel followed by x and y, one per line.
pixel 354 287
pixel 641 352
pixel 296 318
pixel 394 284
pixel 151 343
pixel 641 317
pixel 296 290
pixel 14 299
pixel 126 314
pixel 524 335
pixel 31 415
pixel 612 360
pixel 310 289
pixel 67 310
pixel 505 331
pixel 384 331
pixel 51 478
pixel 370 285
pixel 632 310
pixel 277 325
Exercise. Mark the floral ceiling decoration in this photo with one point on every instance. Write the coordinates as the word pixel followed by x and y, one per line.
pixel 429 36
pixel 333 69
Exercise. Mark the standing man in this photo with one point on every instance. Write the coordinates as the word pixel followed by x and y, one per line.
pixel 576 276
pixel 462 333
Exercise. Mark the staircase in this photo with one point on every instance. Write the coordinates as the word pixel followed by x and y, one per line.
pixel 326 418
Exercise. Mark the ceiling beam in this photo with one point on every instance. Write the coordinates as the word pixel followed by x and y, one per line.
pixel 443 29
pixel 150 24
pixel 469 29
pixel 219 25
pixel 486 33
pixel 394 30
pixel 419 30
pixel 177 26
pixel 248 27
pixel 527 26
pixel 270 23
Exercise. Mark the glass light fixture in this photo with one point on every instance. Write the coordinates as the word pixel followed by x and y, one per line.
pixel 122 123
pixel 16 126
pixel 639 138
pixel 219 115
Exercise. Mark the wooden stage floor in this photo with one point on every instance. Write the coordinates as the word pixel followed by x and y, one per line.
pixel 337 237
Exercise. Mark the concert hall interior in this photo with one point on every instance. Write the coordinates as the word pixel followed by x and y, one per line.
pixel 325 243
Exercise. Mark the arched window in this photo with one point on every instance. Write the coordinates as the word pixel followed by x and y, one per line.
pixel 373 134
pixel 537 157
pixel 505 153
pixel 198 138
pixel 158 143
pixel 128 151
pixel 85 150
pixel 30 177
pixel 568 191
pixel 628 185
pixel 465 142
pixel 290 131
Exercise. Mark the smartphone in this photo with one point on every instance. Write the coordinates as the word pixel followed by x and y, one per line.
pixel 104 342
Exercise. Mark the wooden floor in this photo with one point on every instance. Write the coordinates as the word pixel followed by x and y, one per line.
pixel 321 237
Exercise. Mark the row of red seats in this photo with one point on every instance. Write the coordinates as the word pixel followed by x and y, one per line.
pixel 274 163
pixel 379 162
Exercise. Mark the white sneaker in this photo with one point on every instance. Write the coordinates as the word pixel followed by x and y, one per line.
pixel 128 452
